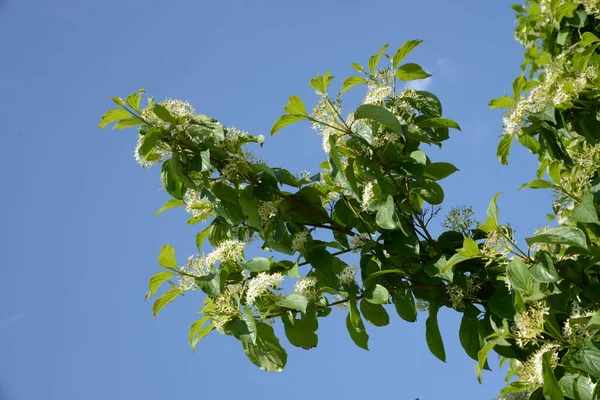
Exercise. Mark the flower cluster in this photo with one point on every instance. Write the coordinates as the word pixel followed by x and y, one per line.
pixel 299 240
pixel 306 286
pixel 367 195
pixel 195 206
pixel 258 285
pixel 529 324
pixel 267 210
pixel 347 275
pixel 530 372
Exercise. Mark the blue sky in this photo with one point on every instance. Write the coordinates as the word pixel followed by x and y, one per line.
pixel 79 236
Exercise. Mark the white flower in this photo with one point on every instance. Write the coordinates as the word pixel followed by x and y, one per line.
pixel 299 240
pixel 456 296
pixel 195 206
pixel 258 285
pixel 227 250
pixel 368 195
pixel 305 285
pixel 530 372
pixel 267 210
pixel 530 323
pixel 347 275
pixel 376 94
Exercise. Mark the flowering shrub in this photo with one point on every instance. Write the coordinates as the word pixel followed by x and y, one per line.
pixel 535 304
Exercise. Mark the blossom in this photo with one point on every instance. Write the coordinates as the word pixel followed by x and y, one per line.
pixel 305 285
pixel 259 284
pixel 227 250
pixel 195 206
pixel 299 240
pixel 368 195
pixel 376 94
pixel 347 275
pixel 456 296
pixel 196 267
pixel 267 210
pixel 177 108
pixel 530 372
pixel 529 324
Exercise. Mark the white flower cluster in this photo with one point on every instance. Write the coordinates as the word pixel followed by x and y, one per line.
pixel 530 323
pixel 195 206
pixel 196 267
pixel 299 240
pixel 305 285
pixel 258 285
pixel 367 195
pixel 591 6
pixel 227 250
pixel 557 88
pixel 530 372
pixel 456 295
pixel 376 94
pixel 177 108
pixel 347 275
pixel 267 210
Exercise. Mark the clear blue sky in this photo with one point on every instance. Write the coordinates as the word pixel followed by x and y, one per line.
pixel 78 235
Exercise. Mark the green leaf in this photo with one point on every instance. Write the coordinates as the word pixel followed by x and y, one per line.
pixel 502 102
pixel 243 328
pixel 320 83
pixel 294 301
pixel 504 149
pixel 197 332
pixel 209 284
pixel 295 107
pixel 470 248
pixel 377 295
pixel 554 170
pixel 386 215
pixel 118 101
pixel 439 170
pixel 438 122
pixel 166 258
pixel 586 211
pixel 538 184
pixel 201 236
pixel 157 280
pixel 587 358
pixel 405 305
pixel 588 38
pixel 374 59
pixel 571 382
pixel 127 123
pixel 551 388
pixel 380 115
pixel 469 332
pixel 430 191
pixel 543 270
pixel 518 275
pixel 258 264
pixel 170 182
pixel 358 336
pixel 491 224
pixel 352 81
pixel 433 335
pixel 116 114
pixel 164 114
pixel 249 205
pixel 374 313
pixel 482 360
pixel 133 100
pixel 594 320
pixel 301 332
pixel 170 204
pixel 284 121
pixel 404 50
pixel 165 299
pixel 566 235
pixel 267 353
pixel 411 72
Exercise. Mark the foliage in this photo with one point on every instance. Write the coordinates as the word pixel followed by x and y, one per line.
pixel 535 304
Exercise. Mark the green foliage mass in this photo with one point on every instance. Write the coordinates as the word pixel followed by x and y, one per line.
pixel 535 304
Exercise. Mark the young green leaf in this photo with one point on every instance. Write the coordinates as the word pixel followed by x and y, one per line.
pixel 267 353
pixel 411 72
pixel 166 258
pixel 404 50
pixel 165 299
